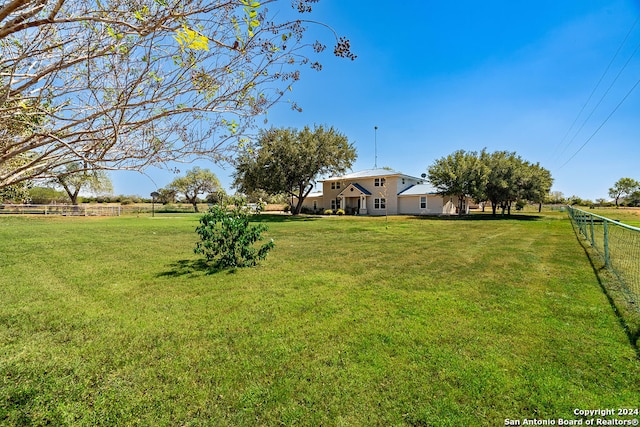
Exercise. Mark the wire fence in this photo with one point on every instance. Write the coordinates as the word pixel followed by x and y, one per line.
pixel 66 210
pixel 617 244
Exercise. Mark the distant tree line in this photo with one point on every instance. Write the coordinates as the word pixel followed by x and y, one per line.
pixel 196 186
pixel 65 187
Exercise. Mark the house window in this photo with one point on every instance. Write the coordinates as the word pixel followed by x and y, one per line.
pixel 379 203
pixel 335 185
pixel 338 185
pixel 379 182
pixel 333 205
pixel 315 205
pixel 423 202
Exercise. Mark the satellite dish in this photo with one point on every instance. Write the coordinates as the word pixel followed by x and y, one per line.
pixel 155 194
pixel 424 175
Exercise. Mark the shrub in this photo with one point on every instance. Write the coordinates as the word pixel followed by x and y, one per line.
pixel 328 212
pixel 340 212
pixel 227 238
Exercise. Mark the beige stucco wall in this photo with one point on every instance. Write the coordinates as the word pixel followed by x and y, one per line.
pixel 387 192
pixel 410 205
pixel 329 194
pixel 309 202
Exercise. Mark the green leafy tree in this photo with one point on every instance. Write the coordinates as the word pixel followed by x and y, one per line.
pixel 535 183
pixel 502 187
pixel 576 201
pixel 196 182
pixel 461 175
pixel 216 197
pixel 556 197
pixel 228 240
pixel 513 180
pixel 623 187
pixel 74 178
pixel 124 84
pixel 289 161
pixel 259 195
pixel 166 195
pixel 633 199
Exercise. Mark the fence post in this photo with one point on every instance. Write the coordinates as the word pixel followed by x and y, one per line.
pixel 593 240
pixel 606 243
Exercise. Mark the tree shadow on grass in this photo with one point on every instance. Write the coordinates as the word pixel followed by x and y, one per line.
pixel 277 218
pixel 481 217
pixel 282 218
pixel 187 267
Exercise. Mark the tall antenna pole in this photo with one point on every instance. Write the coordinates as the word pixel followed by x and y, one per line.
pixel 375 146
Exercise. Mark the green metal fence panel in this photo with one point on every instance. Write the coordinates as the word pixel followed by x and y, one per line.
pixel 617 244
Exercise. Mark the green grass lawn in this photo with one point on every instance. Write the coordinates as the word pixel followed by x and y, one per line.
pixel 349 321
pixel 629 216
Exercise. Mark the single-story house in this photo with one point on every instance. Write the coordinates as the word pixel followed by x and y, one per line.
pixel 380 192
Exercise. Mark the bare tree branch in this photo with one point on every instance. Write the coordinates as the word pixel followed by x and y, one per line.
pixel 125 85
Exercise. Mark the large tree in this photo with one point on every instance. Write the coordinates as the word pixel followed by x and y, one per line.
pixel 73 182
pixel 124 84
pixel 460 174
pixel 512 179
pixel 622 187
pixel 196 182
pixel 503 183
pixel 290 161
pixel 166 195
pixel 535 183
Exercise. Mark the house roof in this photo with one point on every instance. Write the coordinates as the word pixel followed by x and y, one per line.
pixel 370 173
pixel 419 189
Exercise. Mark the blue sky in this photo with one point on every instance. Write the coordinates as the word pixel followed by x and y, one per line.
pixel 439 76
